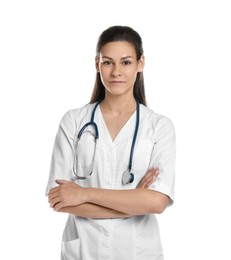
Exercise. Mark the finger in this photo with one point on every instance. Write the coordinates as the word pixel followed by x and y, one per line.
pixel 144 182
pixel 148 176
pixel 60 182
pixel 148 179
pixel 55 189
pixel 155 171
pixel 54 201
pixel 58 206
pixel 152 179
pixel 140 185
pixel 151 172
pixel 148 182
pixel 52 196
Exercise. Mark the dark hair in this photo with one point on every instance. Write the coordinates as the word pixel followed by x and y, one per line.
pixel 113 34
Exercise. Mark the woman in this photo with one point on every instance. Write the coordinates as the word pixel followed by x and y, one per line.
pixel 113 174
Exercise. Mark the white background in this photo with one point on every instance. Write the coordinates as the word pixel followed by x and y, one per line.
pixel 47 51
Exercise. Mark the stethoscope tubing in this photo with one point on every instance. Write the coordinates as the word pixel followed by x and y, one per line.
pixel 135 135
pixel 92 123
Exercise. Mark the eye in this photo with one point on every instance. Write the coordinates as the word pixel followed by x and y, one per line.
pixel 126 62
pixel 107 62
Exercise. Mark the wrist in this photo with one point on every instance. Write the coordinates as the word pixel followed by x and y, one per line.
pixel 88 195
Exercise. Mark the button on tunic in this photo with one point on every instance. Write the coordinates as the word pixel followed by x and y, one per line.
pixel 135 237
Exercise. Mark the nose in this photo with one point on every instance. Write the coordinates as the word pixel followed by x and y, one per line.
pixel 116 71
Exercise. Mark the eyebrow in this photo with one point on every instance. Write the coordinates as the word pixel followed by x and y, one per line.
pixel 124 58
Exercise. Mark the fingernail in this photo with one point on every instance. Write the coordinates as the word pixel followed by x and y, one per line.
pixel 157 173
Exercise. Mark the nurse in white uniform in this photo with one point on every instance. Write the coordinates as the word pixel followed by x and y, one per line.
pixel 113 161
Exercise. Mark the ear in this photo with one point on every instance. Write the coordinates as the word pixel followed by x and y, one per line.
pixel 141 63
pixel 97 63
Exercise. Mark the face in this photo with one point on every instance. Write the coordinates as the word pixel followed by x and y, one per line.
pixel 118 67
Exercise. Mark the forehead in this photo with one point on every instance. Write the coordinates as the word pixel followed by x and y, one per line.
pixel 118 49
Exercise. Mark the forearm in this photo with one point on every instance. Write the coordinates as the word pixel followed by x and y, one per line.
pixel 108 203
pixel 131 202
pixel 89 210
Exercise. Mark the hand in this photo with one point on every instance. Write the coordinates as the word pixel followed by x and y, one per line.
pixel 148 178
pixel 66 194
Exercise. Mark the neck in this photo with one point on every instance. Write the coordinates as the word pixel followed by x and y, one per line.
pixel 118 105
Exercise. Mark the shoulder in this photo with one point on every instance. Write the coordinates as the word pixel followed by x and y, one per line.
pixel 75 115
pixel 156 120
pixel 73 118
pixel 162 128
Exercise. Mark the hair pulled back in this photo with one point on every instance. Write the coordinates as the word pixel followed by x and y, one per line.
pixel 113 34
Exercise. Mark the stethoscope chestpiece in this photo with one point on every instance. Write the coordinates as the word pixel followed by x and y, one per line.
pixel 128 177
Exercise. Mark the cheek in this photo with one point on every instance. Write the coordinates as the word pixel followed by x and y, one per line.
pixel 104 81
pixel 103 77
pixel 104 74
pixel 131 72
pixel 132 77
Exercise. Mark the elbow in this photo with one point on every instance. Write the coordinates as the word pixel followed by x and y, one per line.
pixel 160 204
pixel 160 209
pixel 157 208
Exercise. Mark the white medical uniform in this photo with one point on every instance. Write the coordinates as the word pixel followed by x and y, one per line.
pixel 124 238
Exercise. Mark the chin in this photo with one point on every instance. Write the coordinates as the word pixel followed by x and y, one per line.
pixel 119 92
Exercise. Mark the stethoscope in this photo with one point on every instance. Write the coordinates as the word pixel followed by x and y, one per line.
pixel 128 176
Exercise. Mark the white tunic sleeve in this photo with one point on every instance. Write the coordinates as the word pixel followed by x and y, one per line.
pixel 62 157
pixel 163 156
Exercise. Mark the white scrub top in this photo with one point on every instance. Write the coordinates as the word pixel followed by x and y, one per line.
pixel 124 238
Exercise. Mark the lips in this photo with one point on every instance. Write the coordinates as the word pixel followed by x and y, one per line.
pixel 116 81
